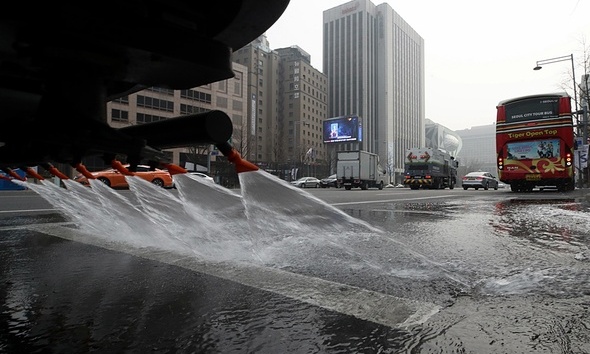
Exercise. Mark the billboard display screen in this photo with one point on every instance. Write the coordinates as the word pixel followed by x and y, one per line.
pixel 342 129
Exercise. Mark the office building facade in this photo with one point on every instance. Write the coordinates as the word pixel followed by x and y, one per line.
pixel 374 61
pixel 156 103
pixel 262 101
pixel 478 152
pixel 286 108
pixel 303 108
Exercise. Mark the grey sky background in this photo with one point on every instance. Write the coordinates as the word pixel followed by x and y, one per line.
pixel 476 53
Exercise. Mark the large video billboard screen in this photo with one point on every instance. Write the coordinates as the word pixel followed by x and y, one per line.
pixel 342 129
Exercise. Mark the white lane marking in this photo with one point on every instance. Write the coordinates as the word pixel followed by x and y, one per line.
pixel 25 211
pixel 364 304
pixel 35 226
pixel 395 200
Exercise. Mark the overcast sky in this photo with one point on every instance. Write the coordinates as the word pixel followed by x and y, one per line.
pixel 477 53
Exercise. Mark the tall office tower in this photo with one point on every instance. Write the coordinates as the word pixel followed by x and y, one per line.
pixel 374 62
pixel 263 107
pixel 303 108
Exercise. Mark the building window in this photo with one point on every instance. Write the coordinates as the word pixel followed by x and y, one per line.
pixel 222 102
pixel 236 119
pixel 188 109
pixel 162 90
pixel 147 118
pixel 237 105
pixel 221 86
pixel 238 88
pixel 196 95
pixel 118 115
pixel 155 103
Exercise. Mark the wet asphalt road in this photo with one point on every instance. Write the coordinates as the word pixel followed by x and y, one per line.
pixel 67 293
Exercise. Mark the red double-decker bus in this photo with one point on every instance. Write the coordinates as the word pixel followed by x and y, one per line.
pixel 535 142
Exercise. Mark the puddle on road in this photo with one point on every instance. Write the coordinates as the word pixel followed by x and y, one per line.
pixel 494 253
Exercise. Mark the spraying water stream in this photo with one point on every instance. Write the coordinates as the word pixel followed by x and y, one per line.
pixel 268 223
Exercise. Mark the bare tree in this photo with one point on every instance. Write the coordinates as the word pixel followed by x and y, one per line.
pixel 390 166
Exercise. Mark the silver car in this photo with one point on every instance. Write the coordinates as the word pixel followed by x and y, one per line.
pixel 479 180
pixel 307 182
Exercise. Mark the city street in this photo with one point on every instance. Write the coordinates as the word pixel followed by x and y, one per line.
pixel 304 271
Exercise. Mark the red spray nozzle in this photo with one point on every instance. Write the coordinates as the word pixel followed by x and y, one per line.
pixel 174 169
pixel 241 164
pixel 54 171
pixel 82 169
pixel 34 174
pixel 119 167
pixel 14 174
pixel 233 156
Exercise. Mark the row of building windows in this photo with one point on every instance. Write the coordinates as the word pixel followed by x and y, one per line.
pixel 166 91
pixel 148 118
pixel 196 95
pixel 118 115
pixel 155 103
pixel 168 106
pixel 188 109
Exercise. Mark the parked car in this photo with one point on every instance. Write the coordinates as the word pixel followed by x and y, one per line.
pixel 330 181
pixel 307 182
pixel 479 180
pixel 115 179
pixel 205 176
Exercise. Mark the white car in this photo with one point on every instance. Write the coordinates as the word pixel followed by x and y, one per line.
pixel 479 180
pixel 307 182
pixel 203 175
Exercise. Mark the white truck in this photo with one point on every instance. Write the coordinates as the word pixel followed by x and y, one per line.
pixel 359 169
pixel 429 168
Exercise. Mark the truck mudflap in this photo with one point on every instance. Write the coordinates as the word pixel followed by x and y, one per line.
pixel 419 181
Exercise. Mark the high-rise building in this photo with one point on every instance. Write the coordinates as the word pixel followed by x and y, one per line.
pixel 263 104
pixel 303 108
pixel 286 105
pixel 374 61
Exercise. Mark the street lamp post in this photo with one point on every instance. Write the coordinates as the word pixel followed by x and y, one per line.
pixel 570 57
pixel 581 127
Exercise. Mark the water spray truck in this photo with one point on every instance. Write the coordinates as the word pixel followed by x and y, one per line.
pixel 430 168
